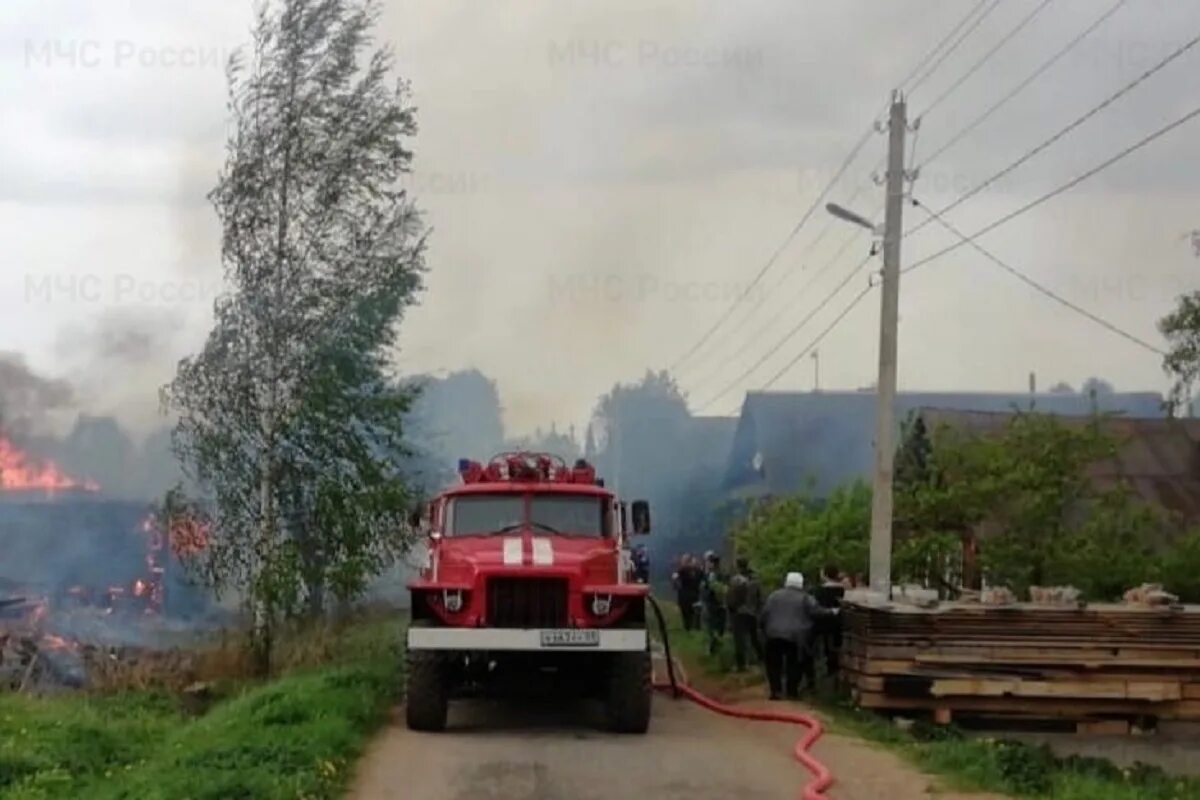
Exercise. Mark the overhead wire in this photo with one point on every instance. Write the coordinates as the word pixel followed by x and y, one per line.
pixel 970 240
pixel 1024 84
pixel 1093 111
pixel 1008 37
pixel 825 332
pixel 1078 179
pixel 750 315
pixel 941 44
pixel 946 54
pixel 762 330
pixel 854 151
pixel 784 339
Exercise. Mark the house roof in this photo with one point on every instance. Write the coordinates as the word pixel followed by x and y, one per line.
pixel 1157 458
pixel 786 441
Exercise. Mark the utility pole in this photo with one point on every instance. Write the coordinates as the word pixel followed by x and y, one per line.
pixel 816 357
pixel 885 414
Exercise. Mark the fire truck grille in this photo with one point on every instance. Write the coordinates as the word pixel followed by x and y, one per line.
pixel 527 603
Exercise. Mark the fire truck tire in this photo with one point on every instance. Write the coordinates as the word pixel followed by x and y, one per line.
pixel 427 693
pixel 627 706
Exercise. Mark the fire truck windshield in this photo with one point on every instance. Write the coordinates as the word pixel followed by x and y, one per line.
pixel 578 516
pixel 479 515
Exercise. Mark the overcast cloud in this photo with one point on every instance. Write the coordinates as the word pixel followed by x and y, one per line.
pixel 603 178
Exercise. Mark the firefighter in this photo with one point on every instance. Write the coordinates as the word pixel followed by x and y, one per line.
pixel 744 603
pixel 787 622
pixel 641 564
pixel 712 595
pixel 687 581
pixel 828 631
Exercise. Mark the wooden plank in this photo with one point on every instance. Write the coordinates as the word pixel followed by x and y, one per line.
pixel 1034 659
pixel 1036 708
pixel 1108 690
pixel 1103 727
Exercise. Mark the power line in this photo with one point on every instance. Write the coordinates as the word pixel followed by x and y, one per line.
pixel 789 306
pixel 784 339
pixel 1064 131
pixel 925 59
pixel 857 299
pixel 762 299
pixel 964 239
pixel 954 46
pixel 708 334
pixel 854 151
pixel 1138 145
pixel 1028 18
pixel 1037 73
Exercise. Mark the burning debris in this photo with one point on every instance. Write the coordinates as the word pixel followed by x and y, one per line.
pixel 82 574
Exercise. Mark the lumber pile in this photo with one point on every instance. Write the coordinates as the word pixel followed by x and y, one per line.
pixel 1098 664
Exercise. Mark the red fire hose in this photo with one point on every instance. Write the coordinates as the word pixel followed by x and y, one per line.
pixel 822 778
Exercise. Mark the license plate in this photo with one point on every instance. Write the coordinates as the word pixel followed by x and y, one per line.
pixel 571 637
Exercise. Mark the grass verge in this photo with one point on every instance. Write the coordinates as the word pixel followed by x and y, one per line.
pixel 996 765
pixel 295 737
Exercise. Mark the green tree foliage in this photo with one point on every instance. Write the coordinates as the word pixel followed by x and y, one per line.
pixel 287 419
pixel 800 534
pixel 1026 492
pixel 1182 361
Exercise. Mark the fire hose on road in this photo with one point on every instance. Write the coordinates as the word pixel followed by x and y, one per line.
pixel 822 778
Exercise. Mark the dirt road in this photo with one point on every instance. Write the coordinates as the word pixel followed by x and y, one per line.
pixel 499 751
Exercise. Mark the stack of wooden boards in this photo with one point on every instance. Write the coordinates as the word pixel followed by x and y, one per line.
pixel 1099 666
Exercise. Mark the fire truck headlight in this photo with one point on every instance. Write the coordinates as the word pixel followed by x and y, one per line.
pixel 453 600
pixel 601 604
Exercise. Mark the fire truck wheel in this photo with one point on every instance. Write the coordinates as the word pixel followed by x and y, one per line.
pixel 627 705
pixel 427 695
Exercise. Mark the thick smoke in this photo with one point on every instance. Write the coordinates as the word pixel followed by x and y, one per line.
pixel 93 447
pixel 26 398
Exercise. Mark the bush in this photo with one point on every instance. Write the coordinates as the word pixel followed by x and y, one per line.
pixel 1179 568
pixel 799 534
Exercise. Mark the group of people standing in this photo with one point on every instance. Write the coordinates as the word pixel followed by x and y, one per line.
pixel 783 631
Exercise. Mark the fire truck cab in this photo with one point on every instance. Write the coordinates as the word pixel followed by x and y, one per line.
pixel 527 580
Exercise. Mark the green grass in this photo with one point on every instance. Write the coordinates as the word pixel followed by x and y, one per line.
pixel 1007 766
pixel 295 737
pixel 986 765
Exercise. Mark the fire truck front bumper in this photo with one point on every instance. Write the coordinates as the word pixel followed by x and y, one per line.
pixel 618 640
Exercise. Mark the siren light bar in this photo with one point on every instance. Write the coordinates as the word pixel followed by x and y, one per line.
pixel 526 467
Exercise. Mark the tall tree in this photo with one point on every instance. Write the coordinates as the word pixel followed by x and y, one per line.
pixel 322 250
pixel 1182 362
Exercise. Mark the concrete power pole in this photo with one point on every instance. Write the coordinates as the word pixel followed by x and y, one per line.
pixel 885 415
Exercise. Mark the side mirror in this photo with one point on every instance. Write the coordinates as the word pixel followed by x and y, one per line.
pixel 414 518
pixel 640 511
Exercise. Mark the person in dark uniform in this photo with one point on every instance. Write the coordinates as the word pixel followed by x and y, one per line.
pixel 828 630
pixel 712 596
pixel 687 581
pixel 744 603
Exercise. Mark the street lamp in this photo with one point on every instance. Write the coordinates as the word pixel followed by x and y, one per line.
pixel 850 216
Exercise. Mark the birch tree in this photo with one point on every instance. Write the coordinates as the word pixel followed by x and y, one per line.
pixel 283 409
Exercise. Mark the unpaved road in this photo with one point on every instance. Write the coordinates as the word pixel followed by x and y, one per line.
pixel 506 751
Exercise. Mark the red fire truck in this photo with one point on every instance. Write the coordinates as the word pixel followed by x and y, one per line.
pixel 528 581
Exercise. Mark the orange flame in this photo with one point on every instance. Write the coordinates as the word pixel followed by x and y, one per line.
pixel 19 471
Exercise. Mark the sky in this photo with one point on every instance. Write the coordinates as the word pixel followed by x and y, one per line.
pixel 604 178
